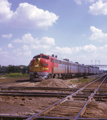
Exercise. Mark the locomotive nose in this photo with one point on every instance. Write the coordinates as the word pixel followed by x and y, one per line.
pixel 34 65
pixel 43 62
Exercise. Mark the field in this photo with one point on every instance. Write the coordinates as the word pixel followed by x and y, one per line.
pixel 13 77
pixel 17 77
pixel 29 105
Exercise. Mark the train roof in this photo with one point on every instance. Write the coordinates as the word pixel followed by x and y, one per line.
pixel 54 57
pixel 66 60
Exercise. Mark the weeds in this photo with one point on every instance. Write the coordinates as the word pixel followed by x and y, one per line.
pixel 16 75
pixel 82 80
pixel 85 80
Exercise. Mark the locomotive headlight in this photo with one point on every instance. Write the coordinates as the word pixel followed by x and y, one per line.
pixel 45 64
pixel 36 65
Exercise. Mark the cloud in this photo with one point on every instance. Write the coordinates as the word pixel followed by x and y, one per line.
pixel 80 1
pixel 17 41
pixel 25 47
pixel 47 40
pixel 28 43
pixel 26 15
pixel 4 54
pixel 80 53
pixel 5 12
pixel 17 51
pixel 89 48
pixel 98 8
pixel 0 49
pixel 27 38
pixel 22 51
pixel 10 45
pixel 84 35
pixel 35 43
pixel 97 34
pixel 28 53
pixel 63 50
pixel 7 36
pixel 74 50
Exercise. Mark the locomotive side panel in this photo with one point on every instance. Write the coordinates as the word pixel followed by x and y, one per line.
pixel 86 70
pixel 81 69
pixel 62 68
pixel 74 69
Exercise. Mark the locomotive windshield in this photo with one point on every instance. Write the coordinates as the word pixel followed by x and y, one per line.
pixel 45 57
pixel 38 56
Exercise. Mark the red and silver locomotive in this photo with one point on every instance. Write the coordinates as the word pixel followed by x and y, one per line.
pixel 44 66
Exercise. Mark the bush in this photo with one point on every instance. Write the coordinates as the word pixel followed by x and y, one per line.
pixel 17 75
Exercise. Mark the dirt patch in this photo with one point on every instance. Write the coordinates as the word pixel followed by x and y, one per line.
pixel 4 80
pixel 96 110
pixel 24 105
pixel 2 77
pixel 53 83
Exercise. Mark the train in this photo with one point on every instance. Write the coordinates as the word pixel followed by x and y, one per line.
pixel 44 66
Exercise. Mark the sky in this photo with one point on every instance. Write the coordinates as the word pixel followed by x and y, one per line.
pixel 73 29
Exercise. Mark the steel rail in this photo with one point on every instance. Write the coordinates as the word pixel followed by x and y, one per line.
pixel 11 117
pixel 89 100
pixel 92 118
pixel 54 118
pixel 37 94
pixel 61 101
pixel 38 88
pixel 28 92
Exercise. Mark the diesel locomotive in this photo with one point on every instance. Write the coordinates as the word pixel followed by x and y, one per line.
pixel 44 66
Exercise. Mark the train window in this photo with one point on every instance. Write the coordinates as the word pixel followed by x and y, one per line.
pixel 60 62
pixel 55 61
pixel 38 56
pixel 45 57
pixel 51 59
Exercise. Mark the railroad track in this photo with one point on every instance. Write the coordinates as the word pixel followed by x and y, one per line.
pixel 33 94
pixel 13 117
pixel 24 91
pixel 83 96
pixel 39 88
pixel 73 106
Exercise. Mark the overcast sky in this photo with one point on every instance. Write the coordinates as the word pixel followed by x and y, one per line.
pixel 73 29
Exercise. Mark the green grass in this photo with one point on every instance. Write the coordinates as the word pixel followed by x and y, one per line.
pixel 13 77
pixel 82 80
pixel 16 75
pixel 85 80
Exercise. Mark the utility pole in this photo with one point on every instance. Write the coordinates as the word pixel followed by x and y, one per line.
pixel 92 62
pixel 95 62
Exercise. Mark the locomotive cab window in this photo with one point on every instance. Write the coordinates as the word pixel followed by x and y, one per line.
pixel 45 57
pixel 38 56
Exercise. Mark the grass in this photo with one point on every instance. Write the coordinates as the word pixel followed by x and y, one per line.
pixel 16 75
pixel 85 80
pixel 12 77
pixel 82 80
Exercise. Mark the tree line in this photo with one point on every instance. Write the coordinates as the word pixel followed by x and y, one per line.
pixel 14 69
